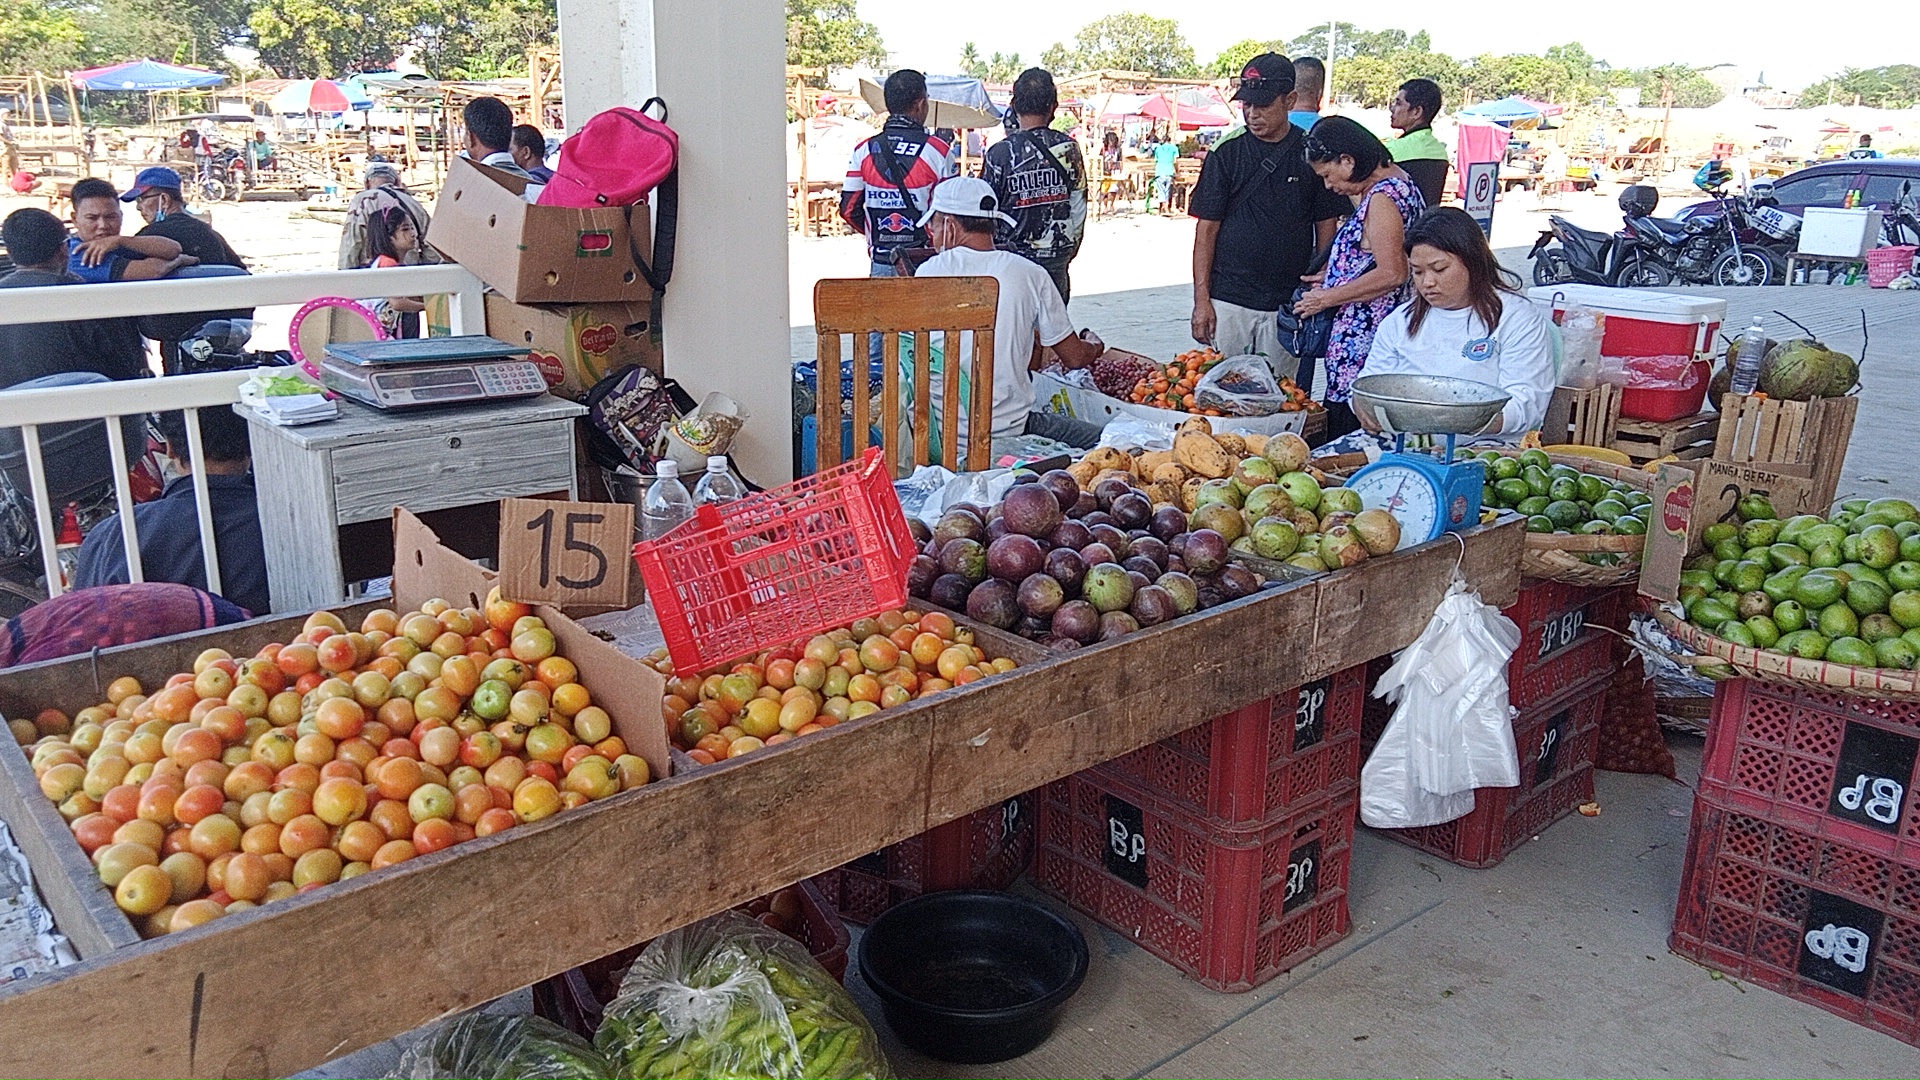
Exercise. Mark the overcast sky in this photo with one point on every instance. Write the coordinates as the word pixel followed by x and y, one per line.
pixel 1792 50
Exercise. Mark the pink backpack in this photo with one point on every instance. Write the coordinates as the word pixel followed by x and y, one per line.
pixel 618 159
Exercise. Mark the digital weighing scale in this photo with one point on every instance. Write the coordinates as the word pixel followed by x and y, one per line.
pixel 412 373
pixel 1431 495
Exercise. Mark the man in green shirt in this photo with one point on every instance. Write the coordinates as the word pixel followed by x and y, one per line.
pixel 1418 150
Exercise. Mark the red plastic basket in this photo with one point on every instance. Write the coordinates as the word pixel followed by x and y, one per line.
pixel 1257 762
pixel 1556 743
pixel 1231 906
pixel 1811 917
pixel 779 565
pixel 1827 764
pixel 1660 406
pixel 1561 641
pixel 987 849
pixel 1885 264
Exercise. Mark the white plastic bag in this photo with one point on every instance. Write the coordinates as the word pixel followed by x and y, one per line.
pixel 1580 332
pixel 1452 730
pixel 1127 432
pixel 1240 386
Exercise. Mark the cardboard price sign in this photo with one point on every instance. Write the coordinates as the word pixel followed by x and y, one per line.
pixel 1686 501
pixel 565 552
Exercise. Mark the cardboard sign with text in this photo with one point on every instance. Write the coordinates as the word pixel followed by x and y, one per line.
pixel 1686 499
pixel 565 553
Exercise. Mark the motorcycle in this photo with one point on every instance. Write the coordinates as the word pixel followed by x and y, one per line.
pixel 1595 258
pixel 1745 240
pixel 1900 225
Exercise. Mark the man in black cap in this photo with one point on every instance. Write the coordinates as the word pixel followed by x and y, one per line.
pixel 1262 212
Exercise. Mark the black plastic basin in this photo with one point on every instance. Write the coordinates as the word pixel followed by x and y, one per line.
pixel 972 977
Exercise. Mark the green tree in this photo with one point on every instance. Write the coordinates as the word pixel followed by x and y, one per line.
pixel 1351 41
pixel 831 34
pixel 970 61
pixel 1061 60
pixel 1130 41
pixel 1233 59
pixel 309 39
pixel 1003 69
pixel 1691 89
pixel 37 35
pixel 1893 87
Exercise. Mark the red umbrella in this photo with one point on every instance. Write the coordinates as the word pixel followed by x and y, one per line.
pixel 312 95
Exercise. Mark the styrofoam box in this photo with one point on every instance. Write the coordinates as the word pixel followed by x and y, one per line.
pixel 1641 322
pixel 1843 234
pixel 1055 395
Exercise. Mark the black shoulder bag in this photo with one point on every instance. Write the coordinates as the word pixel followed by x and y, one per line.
pixel 906 260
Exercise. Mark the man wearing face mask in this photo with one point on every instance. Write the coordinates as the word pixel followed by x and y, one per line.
pixel 960 222
pixel 156 194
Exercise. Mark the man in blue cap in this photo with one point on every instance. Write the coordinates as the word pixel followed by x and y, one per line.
pixel 156 194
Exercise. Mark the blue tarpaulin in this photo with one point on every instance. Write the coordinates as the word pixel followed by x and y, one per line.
pixel 1506 110
pixel 145 75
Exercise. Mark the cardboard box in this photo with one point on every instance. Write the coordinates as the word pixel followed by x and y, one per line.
pixel 1692 495
pixel 576 345
pixel 538 254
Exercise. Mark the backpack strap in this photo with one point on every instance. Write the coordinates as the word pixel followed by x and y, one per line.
pixel 897 173
pixel 666 224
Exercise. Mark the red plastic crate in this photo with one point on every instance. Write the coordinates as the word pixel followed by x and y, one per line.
pixel 1556 743
pixel 1258 761
pixel 1885 264
pixel 1231 906
pixel 1827 764
pixel 1811 917
pixel 779 565
pixel 1561 643
pixel 987 849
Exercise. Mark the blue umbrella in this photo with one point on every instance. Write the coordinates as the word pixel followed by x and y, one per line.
pixel 145 75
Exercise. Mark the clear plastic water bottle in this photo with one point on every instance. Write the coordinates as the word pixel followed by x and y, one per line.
pixel 667 503
pixel 717 485
pixel 1746 366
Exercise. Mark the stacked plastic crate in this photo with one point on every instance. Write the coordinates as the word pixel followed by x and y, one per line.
pixel 1803 863
pixel 987 849
pixel 1223 850
pixel 1558 681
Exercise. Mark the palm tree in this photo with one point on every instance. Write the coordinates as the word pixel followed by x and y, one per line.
pixel 970 62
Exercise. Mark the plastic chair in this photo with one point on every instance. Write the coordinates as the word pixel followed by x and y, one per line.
pixel 892 308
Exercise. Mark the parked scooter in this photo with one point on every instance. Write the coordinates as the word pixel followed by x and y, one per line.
pixel 1595 258
pixel 1744 241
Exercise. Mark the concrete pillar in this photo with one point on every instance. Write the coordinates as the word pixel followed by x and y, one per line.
pixel 721 67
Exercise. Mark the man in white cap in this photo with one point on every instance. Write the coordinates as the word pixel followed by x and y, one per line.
pixel 960 222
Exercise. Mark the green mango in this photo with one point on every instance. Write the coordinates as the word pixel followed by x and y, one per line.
pixel 1747 576
pixel 1790 615
pixel 1879 546
pixel 1759 533
pixel 1850 650
pixel 1843 520
pixel 1730 549
pixel 1563 488
pixel 1826 555
pixel 1511 491
pixel 1533 504
pixel 1779 585
pixel 1504 468
pixel 1850 550
pixel 1735 631
pixel 1754 508
pixel 1609 508
pixel 1898 509
pixel 1855 506
pixel 1838 620
pixel 1723 570
pixel 1689 595
pixel 1910 547
pixel 1811 646
pixel 1539 523
pixel 1878 628
pixel 1701 578
pixel 1636 498
pixel 1596 528
pixel 1490 497
pixel 1629 525
pixel 1563 472
pixel 1904 606
pixel 1763 630
pixel 1712 611
pixel 1536 458
pixel 1713 534
pixel 1815 589
pixel 1912 637
pixel 1825 532
pixel 1895 653
pixel 1867 597
pixel 1565 513
pixel 1593 488
pixel 1856 571
pixel 1796 526
pixel 1536 479
pixel 1785 555
pixel 1906 528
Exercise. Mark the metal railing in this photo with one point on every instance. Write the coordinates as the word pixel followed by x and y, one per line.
pixel 29 410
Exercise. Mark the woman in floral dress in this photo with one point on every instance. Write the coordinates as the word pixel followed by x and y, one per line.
pixel 1366 275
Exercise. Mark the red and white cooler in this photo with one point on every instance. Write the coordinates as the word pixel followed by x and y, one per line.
pixel 1642 322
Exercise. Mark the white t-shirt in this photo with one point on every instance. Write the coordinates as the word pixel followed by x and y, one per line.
pixel 1028 303
pixel 1517 356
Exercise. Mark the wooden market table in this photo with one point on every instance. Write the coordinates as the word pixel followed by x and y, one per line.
pixel 345 477
pixel 305 980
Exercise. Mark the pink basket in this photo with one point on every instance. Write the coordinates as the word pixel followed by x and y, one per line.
pixel 779 565
pixel 1885 264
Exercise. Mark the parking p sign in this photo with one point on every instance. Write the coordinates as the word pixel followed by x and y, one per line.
pixel 1482 184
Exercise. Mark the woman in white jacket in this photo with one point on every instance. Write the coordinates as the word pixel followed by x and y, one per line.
pixel 1468 320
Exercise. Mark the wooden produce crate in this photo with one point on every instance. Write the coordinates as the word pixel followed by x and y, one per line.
pixel 1689 438
pixel 1582 417
pixel 82 907
pixel 1803 438
pixel 449 930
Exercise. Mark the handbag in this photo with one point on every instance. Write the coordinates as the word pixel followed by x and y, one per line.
pixel 1305 336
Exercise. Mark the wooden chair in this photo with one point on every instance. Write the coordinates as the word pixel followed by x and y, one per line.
pixel 894 307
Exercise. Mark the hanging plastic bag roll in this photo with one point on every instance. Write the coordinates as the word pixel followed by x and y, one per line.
pixel 1452 727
